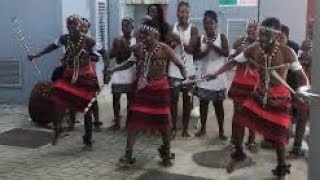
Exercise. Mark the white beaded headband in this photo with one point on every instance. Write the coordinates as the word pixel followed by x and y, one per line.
pixel 149 28
pixel 269 29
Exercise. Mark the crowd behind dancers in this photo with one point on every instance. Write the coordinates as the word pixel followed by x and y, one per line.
pixel 155 62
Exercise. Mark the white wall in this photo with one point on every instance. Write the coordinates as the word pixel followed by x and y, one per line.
pixel 80 7
pixel 41 25
pixel 290 12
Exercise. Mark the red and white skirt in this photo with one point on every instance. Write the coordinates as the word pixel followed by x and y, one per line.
pixel 150 107
pixel 75 96
pixel 243 84
pixel 271 120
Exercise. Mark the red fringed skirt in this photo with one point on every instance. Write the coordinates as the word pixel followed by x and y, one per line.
pixel 75 96
pixel 271 120
pixel 150 108
pixel 243 84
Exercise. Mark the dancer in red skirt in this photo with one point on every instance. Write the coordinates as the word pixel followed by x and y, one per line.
pixel 79 82
pixel 150 106
pixel 268 110
pixel 245 80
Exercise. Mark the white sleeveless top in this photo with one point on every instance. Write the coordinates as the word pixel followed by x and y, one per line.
pixel 210 64
pixel 126 76
pixel 185 37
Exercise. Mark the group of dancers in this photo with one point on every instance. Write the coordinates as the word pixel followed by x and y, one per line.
pixel 156 62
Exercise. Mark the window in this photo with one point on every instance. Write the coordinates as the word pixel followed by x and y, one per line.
pixel 238 2
pixel 102 24
pixel 10 73
pixel 236 28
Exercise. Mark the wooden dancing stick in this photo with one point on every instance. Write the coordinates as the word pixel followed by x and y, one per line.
pixel 20 36
pixel 189 82
pixel 92 101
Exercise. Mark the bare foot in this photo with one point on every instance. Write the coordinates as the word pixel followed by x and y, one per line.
pixel 185 134
pixel 229 147
pixel 166 163
pixel 97 129
pixel 115 127
pixel 200 133
pixel 223 137
pixel 237 164
pixel 252 147
pixel 173 134
pixel 125 162
pixel 87 148
pixel 296 154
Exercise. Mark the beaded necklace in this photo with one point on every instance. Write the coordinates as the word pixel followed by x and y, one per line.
pixel 75 50
pixel 267 65
pixel 143 81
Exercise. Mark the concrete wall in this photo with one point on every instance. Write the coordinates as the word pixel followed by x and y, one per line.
pixel 41 26
pixel 80 7
pixel 42 21
pixel 290 12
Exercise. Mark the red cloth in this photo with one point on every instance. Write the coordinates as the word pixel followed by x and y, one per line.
pixel 243 84
pixel 271 120
pixel 150 107
pixel 75 96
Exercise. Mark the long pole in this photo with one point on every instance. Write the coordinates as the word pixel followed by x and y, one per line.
pixel 259 7
pixel 314 159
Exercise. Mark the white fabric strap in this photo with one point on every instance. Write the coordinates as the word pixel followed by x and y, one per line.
pixel 295 66
pixel 132 58
pixel 240 58
pixel 57 42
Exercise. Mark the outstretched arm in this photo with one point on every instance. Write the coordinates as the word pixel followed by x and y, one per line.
pixel 123 66
pixel 229 65
pixel 46 50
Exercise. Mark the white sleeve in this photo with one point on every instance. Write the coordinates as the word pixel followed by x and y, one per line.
pixel 296 65
pixel 240 58
pixel 132 58
pixel 233 51
pixel 97 47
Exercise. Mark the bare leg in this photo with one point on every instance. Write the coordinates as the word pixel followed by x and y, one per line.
pixel 186 112
pixel 71 120
pixel 129 99
pixel 174 110
pixel 57 125
pixel 204 106
pixel 238 156
pixel 127 160
pixel 282 169
pixel 95 112
pixel 251 144
pixel 87 138
pixel 218 106
pixel 116 111
pixel 233 128
pixel 296 151
pixel 164 150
